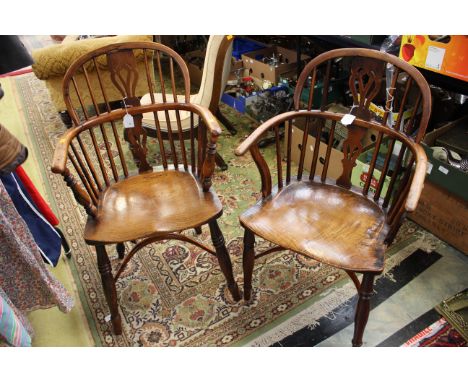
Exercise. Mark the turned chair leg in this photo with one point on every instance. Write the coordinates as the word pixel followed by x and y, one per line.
pixel 223 258
pixel 363 308
pixel 228 125
pixel 66 119
pixel 120 250
pixel 108 285
pixel 220 162
pixel 248 259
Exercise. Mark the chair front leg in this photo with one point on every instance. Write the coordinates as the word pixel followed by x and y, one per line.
pixel 108 285
pixel 248 260
pixel 223 258
pixel 363 307
pixel 120 250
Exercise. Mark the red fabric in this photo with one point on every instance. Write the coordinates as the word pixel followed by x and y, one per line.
pixel 17 72
pixel 37 198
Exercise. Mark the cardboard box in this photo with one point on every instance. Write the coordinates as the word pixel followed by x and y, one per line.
pixel 441 54
pixel 442 174
pixel 263 71
pixel 443 214
pixel 235 66
pixel 335 166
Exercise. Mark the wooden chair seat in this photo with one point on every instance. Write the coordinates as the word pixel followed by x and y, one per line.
pixel 150 203
pixel 325 222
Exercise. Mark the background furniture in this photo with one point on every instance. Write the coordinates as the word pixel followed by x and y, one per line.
pixel 141 194
pixel 51 63
pixel 216 70
pixel 328 219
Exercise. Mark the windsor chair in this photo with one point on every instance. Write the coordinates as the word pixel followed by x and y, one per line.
pixel 159 187
pixel 332 220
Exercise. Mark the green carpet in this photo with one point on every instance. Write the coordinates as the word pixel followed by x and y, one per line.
pixel 173 294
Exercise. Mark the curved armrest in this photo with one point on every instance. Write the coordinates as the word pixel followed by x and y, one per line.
pixel 59 161
pixel 417 183
pixel 259 131
pixel 208 118
pixel 209 161
pixel 251 144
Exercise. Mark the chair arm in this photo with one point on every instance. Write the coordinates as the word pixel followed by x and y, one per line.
pixel 59 166
pixel 251 144
pixel 417 183
pixel 259 131
pixel 59 161
pixel 208 118
pixel 209 161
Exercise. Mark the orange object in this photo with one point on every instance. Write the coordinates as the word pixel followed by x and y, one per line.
pixel 446 55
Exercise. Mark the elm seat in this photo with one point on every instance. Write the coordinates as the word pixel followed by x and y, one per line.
pixel 151 202
pixel 323 211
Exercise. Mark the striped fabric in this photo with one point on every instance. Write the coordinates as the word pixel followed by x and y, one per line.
pixel 11 328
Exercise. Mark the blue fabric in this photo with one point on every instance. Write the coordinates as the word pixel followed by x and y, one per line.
pixel 46 237
pixel 11 327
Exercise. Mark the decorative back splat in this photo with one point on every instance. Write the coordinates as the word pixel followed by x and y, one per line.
pixel 124 72
pixel 124 75
pixel 365 82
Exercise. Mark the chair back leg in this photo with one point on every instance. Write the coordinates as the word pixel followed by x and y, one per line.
pixel 223 258
pixel 248 260
pixel 120 250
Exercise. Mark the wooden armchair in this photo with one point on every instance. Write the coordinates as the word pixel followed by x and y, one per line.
pixel 332 220
pixel 156 189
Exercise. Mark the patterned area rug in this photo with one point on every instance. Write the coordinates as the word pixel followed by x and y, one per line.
pixel 173 294
pixel 439 334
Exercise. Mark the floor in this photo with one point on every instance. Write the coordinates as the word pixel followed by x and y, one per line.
pixel 402 305
pixel 401 308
